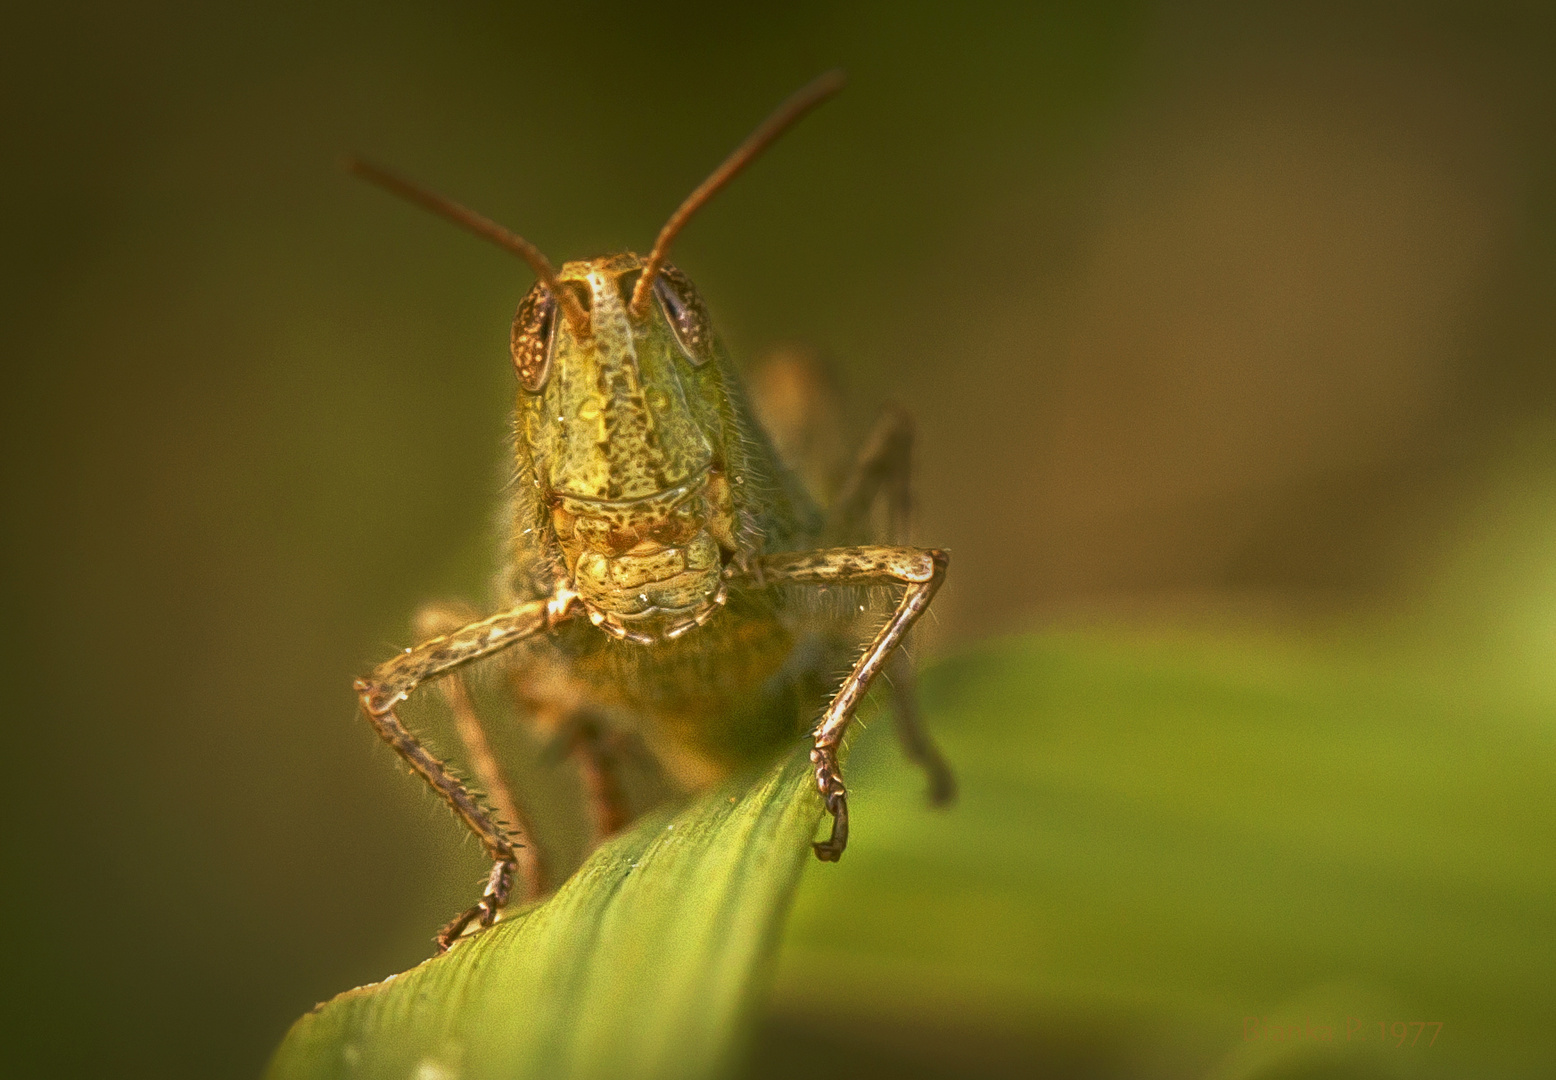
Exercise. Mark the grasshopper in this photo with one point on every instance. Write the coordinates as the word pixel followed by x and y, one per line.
pixel 662 565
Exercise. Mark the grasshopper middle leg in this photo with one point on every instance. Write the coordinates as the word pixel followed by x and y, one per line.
pixel 577 731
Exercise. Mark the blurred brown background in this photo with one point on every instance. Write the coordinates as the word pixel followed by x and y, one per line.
pixel 1204 309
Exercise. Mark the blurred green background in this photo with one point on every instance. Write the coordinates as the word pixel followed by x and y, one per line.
pixel 1221 322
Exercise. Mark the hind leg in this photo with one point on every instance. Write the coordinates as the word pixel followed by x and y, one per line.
pixel 797 403
pixel 883 469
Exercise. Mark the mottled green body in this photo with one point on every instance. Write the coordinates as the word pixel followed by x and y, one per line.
pixel 640 476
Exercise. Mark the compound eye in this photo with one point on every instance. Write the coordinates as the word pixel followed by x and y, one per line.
pixel 688 318
pixel 534 327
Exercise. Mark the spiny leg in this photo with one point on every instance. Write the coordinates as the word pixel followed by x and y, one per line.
pixel 438 620
pixel 884 467
pixel 393 681
pixel 922 571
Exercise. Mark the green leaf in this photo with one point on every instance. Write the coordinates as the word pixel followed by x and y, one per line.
pixel 644 964
pixel 1158 840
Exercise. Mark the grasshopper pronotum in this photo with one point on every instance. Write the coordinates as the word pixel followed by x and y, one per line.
pixel 659 554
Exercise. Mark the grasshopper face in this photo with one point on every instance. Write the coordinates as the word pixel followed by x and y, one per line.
pixel 622 432
pixel 630 426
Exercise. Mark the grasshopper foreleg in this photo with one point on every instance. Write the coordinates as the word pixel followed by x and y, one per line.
pixel 922 571
pixel 440 620
pixel 884 469
pixel 393 681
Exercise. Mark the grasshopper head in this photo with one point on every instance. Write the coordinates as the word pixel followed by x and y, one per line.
pixel 621 433
pixel 630 427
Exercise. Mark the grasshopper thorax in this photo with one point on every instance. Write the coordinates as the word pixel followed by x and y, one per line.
pixel 621 431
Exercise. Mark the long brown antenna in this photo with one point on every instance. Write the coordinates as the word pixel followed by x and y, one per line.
pixel 803 101
pixel 483 227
